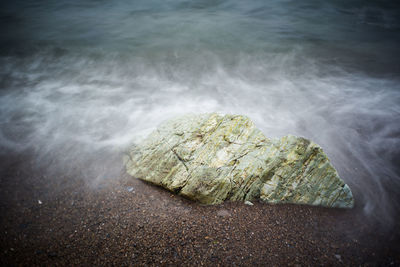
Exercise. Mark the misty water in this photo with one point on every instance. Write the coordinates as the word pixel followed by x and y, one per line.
pixel 79 79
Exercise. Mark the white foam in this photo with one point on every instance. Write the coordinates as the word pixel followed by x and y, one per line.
pixel 105 104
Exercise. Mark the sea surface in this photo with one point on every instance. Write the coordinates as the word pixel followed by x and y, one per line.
pixel 79 79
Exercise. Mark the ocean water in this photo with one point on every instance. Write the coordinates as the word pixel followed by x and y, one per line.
pixel 79 79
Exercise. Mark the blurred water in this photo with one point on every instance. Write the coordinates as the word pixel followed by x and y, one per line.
pixel 79 79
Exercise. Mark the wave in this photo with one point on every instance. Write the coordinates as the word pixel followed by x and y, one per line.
pixel 78 109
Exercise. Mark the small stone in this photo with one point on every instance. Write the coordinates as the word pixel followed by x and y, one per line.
pixel 40 202
pixel 338 257
pixel 223 213
pixel 129 188
pixel 248 203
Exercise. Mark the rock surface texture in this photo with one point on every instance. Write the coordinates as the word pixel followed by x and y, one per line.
pixel 211 158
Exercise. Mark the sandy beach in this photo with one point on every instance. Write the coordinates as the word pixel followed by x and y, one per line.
pixel 122 221
pixel 81 82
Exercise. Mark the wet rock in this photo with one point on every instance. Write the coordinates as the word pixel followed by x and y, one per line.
pixel 211 158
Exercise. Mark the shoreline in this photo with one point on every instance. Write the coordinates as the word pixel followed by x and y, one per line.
pixel 125 221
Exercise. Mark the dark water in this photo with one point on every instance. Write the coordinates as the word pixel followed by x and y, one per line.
pixel 79 78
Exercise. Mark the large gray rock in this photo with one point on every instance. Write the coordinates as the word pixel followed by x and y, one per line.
pixel 211 158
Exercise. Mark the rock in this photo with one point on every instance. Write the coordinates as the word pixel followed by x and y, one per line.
pixel 211 158
pixel 248 203
pixel 223 213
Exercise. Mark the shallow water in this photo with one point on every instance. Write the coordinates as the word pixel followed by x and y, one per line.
pixel 79 79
